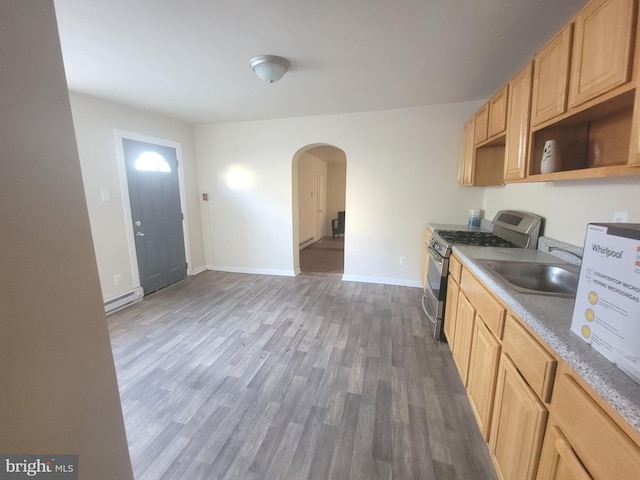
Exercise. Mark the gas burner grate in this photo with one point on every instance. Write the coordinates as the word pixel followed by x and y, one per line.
pixel 482 239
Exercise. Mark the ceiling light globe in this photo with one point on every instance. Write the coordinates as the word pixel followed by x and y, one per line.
pixel 269 68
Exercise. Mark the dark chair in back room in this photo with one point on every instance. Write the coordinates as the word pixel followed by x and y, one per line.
pixel 337 225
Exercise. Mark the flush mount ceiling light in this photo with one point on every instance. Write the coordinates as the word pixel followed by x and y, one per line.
pixel 269 68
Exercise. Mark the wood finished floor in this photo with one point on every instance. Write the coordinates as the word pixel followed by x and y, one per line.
pixel 326 255
pixel 238 376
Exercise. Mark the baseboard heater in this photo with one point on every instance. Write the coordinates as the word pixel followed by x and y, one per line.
pixel 122 301
pixel 306 243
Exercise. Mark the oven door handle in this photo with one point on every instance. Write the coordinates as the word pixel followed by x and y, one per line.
pixel 435 256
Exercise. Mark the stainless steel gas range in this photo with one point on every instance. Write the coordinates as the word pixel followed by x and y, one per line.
pixel 509 229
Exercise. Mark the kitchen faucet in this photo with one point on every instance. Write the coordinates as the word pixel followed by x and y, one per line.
pixel 550 248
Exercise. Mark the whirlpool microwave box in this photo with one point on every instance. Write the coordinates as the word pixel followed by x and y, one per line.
pixel 607 309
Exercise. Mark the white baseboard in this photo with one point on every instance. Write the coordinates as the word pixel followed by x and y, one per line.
pixel 383 280
pixel 198 270
pixel 122 301
pixel 307 242
pixel 256 271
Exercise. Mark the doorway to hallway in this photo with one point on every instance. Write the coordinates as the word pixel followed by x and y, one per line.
pixel 319 194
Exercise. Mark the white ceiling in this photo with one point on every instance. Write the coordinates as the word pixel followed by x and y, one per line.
pixel 190 59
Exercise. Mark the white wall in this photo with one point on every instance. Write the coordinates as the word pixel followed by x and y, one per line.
pixel 309 168
pixel 95 122
pixel 568 206
pixel 58 390
pixel 402 174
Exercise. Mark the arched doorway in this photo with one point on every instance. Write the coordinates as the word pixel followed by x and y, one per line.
pixel 319 193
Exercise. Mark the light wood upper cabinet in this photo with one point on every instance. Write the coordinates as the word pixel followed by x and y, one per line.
pixel 518 125
pixel 467 153
pixel 580 91
pixel 518 424
pixel 551 78
pixel 482 123
pixel 603 41
pixel 498 112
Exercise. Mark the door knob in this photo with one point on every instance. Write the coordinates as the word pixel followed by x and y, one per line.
pixel 139 234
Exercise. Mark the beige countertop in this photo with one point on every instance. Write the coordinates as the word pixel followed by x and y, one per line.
pixel 550 317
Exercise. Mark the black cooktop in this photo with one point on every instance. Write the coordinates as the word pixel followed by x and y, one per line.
pixel 483 239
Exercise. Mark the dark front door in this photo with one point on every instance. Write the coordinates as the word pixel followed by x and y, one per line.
pixel 154 192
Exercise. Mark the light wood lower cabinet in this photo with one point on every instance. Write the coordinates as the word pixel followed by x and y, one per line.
pixel 451 311
pixel 483 368
pixel 540 419
pixel 562 463
pixel 535 364
pixel 465 318
pixel 579 426
pixel 519 420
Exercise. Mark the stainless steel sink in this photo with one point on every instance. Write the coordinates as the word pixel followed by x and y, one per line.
pixel 540 278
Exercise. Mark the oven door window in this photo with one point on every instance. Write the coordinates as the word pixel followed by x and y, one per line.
pixel 437 275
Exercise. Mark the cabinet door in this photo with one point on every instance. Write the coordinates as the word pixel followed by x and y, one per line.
pixel 482 123
pixel 602 446
pixel 465 172
pixel 465 317
pixel 518 125
pixel 518 424
pixel 483 367
pixel 551 78
pixel 451 311
pixel 602 49
pixel 560 462
pixel 498 112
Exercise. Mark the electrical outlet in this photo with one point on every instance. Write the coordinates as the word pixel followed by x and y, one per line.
pixel 117 279
pixel 620 217
pixel 402 260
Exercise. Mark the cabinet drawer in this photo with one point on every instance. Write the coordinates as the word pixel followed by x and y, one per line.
pixel 604 449
pixel 427 236
pixel 534 363
pixel 455 268
pixel 491 311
